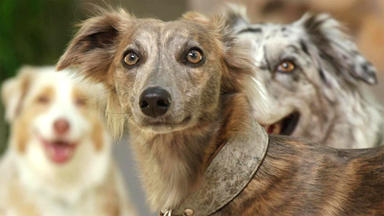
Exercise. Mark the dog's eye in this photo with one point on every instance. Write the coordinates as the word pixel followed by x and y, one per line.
pixel 131 58
pixel 194 56
pixel 81 101
pixel 286 67
pixel 42 99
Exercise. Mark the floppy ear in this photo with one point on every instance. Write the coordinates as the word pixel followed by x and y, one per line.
pixel 94 45
pixel 235 16
pixel 336 48
pixel 242 73
pixel 14 90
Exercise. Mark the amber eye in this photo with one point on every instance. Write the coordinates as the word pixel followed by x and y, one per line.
pixel 42 99
pixel 194 56
pixel 286 67
pixel 131 58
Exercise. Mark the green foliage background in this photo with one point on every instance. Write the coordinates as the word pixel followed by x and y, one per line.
pixel 32 32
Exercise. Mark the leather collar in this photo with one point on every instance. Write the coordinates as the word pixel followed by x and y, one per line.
pixel 227 175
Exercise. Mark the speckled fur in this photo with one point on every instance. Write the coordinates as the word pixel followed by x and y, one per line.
pixel 173 158
pixel 328 88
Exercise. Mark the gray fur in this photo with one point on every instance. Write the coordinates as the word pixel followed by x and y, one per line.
pixel 328 87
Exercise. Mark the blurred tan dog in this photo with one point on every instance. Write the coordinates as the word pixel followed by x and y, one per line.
pixel 59 157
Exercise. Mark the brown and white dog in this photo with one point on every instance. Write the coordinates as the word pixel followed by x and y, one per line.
pixel 59 157
pixel 180 85
pixel 315 81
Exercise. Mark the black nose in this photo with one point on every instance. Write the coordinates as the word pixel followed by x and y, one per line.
pixel 154 101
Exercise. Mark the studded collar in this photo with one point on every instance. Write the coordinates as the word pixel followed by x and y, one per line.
pixel 227 175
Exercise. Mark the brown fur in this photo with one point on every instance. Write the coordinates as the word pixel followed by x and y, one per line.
pixel 300 178
pixel 173 156
pixel 22 205
pixel 97 127
pixel 21 122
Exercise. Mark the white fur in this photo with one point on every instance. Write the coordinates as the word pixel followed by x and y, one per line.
pixel 60 189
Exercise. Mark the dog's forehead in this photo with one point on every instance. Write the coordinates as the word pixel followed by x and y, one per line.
pixel 48 80
pixel 270 38
pixel 270 33
pixel 156 30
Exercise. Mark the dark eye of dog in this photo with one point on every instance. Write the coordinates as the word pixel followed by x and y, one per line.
pixel 194 56
pixel 42 99
pixel 131 58
pixel 286 67
pixel 81 102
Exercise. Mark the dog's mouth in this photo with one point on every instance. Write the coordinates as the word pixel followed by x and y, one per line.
pixel 59 151
pixel 166 126
pixel 285 126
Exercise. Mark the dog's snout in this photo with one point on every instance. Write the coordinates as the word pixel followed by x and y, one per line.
pixel 61 126
pixel 155 101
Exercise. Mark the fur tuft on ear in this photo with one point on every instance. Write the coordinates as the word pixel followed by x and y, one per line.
pixel 94 45
pixel 241 69
pixel 197 17
pixel 238 64
pixel 235 16
pixel 337 48
pixel 13 92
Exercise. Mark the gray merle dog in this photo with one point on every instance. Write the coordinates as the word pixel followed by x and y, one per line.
pixel 314 81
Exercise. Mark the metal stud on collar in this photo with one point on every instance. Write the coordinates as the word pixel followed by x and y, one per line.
pixel 188 212
pixel 166 212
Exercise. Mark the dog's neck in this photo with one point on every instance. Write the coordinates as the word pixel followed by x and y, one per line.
pixel 354 116
pixel 172 164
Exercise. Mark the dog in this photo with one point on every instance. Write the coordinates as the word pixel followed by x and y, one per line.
pixel 179 86
pixel 315 81
pixel 59 157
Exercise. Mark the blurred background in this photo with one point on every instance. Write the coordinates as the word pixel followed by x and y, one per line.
pixel 36 32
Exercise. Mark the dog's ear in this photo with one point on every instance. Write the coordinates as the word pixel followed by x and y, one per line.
pixel 336 48
pixel 14 90
pixel 94 45
pixel 235 16
pixel 240 71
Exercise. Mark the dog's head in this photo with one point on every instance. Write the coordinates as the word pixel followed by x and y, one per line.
pixel 301 67
pixel 55 126
pixel 166 76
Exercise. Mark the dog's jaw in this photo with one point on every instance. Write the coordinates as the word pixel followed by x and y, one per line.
pixel 67 182
pixel 59 151
pixel 171 163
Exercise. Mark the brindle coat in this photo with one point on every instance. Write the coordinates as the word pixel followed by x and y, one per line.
pixel 302 178
pixel 208 110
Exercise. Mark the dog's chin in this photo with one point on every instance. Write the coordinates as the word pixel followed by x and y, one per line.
pixel 58 150
pixel 285 125
pixel 164 126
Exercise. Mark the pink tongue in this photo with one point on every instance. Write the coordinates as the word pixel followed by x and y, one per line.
pixel 60 153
